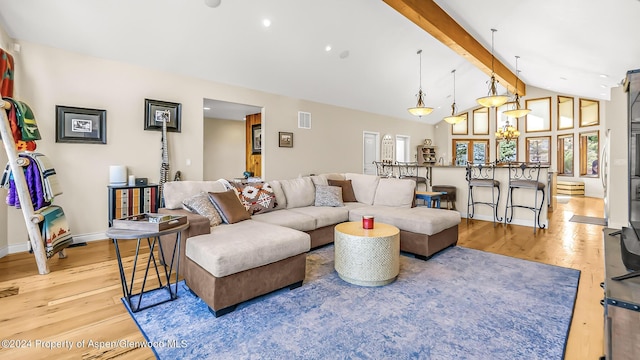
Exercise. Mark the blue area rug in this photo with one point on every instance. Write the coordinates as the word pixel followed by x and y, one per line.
pixel 461 304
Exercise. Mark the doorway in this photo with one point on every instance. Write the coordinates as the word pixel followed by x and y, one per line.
pixel 224 138
pixel 371 151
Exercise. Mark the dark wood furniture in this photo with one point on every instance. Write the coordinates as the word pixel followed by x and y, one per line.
pixel 132 200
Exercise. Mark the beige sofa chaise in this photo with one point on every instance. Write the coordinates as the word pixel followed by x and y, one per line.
pixel 231 263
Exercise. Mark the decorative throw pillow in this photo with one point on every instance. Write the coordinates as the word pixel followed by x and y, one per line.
pixel 257 197
pixel 229 206
pixel 202 205
pixel 328 195
pixel 347 189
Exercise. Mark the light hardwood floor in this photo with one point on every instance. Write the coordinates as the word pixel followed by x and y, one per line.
pixel 78 303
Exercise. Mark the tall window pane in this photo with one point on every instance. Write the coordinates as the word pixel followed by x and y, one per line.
pixel 462 152
pixel 507 150
pixel 538 149
pixel 589 151
pixel 565 155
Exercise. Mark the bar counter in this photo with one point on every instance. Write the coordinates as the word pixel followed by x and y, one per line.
pixel 456 176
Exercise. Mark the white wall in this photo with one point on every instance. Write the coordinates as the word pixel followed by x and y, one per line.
pixel 224 149
pixel 47 77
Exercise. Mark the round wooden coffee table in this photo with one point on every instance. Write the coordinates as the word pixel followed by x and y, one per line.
pixel 367 257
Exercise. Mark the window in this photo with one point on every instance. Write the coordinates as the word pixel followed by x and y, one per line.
pixel 565 112
pixel 589 112
pixel 507 150
pixel 589 149
pixel 565 155
pixel 538 149
pixel 471 150
pixel 403 153
pixel 539 119
pixel 481 121
pixel 461 128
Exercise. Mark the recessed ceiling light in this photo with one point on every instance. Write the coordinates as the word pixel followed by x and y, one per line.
pixel 603 76
pixel 603 86
pixel 207 108
pixel 212 3
pixel 266 22
pixel 327 48
pixel 563 78
pixel 603 94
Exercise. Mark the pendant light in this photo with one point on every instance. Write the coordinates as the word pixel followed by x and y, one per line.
pixel 453 119
pixel 507 132
pixel 493 99
pixel 517 112
pixel 420 110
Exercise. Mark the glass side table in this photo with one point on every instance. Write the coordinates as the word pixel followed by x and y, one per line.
pixel 134 300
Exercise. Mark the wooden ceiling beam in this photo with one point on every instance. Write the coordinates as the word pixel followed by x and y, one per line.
pixel 435 21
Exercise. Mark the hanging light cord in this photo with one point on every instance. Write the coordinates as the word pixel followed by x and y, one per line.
pixel 453 106
pixel 420 67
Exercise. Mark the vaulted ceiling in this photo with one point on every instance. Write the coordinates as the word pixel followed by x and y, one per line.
pixel 575 47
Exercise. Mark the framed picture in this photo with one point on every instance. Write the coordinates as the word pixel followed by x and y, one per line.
pixel 286 139
pixel 156 112
pixel 256 139
pixel 80 125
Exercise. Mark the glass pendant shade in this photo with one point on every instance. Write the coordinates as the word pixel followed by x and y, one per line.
pixel 420 109
pixel 493 99
pixel 517 112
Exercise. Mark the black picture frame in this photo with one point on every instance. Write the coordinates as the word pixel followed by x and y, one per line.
pixel 81 125
pixel 256 139
pixel 156 110
pixel 285 139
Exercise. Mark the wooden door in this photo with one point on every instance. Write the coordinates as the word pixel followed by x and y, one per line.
pixel 254 144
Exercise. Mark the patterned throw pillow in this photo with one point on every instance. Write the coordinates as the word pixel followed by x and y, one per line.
pixel 202 205
pixel 328 196
pixel 257 197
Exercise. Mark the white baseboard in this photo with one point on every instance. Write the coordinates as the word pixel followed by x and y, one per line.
pixel 77 239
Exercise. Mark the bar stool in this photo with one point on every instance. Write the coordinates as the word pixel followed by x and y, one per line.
pixel 483 176
pixel 409 170
pixel 525 176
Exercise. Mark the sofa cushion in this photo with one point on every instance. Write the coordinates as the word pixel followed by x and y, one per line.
pixel 257 197
pixel 230 249
pixel 328 196
pixel 319 179
pixel 281 199
pixel 347 189
pixel 201 204
pixel 176 191
pixel 334 176
pixel 364 186
pixel 421 220
pixel 299 192
pixel 324 216
pixel 288 218
pixel 395 192
pixel 229 206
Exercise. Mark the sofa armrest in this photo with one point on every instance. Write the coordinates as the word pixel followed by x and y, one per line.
pixel 198 225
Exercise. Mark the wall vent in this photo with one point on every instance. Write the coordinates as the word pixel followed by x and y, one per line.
pixel 304 120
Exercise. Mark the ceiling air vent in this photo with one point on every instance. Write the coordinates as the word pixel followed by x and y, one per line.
pixel 304 120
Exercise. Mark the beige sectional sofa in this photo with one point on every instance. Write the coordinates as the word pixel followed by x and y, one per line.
pixel 230 263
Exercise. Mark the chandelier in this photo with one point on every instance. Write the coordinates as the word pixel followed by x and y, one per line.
pixel 493 99
pixel 517 112
pixel 453 119
pixel 507 132
pixel 420 110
